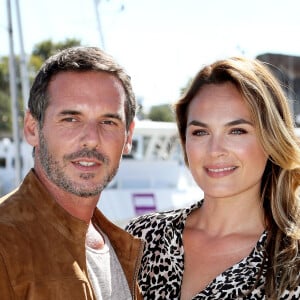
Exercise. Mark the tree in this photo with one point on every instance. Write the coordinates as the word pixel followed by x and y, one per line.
pixel 5 106
pixel 5 114
pixel 44 49
pixel 162 113
pixel 4 74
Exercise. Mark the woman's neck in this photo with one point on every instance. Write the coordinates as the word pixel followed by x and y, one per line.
pixel 220 217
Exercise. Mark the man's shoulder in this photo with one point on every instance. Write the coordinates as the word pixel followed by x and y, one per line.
pixel 13 243
pixel 6 197
pixel 14 215
pixel 11 204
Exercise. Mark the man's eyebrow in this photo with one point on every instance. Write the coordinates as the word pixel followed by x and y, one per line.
pixel 69 112
pixel 113 116
pixel 231 123
pixel 75 112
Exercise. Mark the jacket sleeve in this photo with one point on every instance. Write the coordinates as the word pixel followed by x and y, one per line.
pixel 6 290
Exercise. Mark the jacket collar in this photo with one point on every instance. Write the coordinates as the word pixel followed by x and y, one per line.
pixel 128 248
pixel 43 202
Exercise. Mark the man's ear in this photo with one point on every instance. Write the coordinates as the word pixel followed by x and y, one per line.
pixel 128 143
pixel 31 132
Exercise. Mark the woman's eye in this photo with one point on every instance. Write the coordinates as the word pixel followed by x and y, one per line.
pixel 238 131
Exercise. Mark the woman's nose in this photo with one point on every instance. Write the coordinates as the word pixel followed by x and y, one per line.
pixel 217 145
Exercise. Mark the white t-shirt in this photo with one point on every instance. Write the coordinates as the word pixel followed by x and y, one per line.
pixel 106 274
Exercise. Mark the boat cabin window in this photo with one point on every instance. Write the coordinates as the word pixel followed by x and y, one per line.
pixel 13 162
pixel 2 162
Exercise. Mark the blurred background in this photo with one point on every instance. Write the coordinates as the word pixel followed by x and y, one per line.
pixel 161 43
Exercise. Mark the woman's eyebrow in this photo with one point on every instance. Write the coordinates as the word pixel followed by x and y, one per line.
pixel 197 123
pixel 239 122
pixel 231 123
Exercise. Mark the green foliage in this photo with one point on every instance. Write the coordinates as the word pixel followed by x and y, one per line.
pixel 4 74
pixel 163 113
pixel 34 64
pixel 5 105
pixel 47 48
pixel 5 114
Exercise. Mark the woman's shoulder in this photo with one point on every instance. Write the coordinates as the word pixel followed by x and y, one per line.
pixel 158 221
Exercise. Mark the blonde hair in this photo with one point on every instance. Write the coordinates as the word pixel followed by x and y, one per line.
pixel 275 128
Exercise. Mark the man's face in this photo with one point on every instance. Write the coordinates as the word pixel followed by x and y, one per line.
pixel 79 147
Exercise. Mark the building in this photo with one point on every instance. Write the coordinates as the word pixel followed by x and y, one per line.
pixel 287 69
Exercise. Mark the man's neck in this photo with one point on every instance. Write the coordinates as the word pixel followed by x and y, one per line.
pixel 94 238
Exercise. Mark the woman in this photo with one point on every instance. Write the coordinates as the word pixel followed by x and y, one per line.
pixel 242 240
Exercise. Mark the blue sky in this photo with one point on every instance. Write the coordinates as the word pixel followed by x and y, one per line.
pixel 162 43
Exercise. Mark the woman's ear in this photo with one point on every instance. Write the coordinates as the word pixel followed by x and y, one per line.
pixel 31 132
pixel 128 143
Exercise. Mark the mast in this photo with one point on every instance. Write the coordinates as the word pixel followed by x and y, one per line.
pixel 97 2
pixel 14 100
pixel 23 60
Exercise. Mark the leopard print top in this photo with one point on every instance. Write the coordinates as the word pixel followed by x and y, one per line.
pixel 163 262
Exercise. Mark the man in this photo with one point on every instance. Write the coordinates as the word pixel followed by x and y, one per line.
pixel 54 242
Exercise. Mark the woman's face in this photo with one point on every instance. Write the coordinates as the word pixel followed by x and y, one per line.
pixel 224 153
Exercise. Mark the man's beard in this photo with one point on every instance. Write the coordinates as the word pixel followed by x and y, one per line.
pixel 55 173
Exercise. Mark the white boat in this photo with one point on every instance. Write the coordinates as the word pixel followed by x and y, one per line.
pixel 8 177
pixel 152 178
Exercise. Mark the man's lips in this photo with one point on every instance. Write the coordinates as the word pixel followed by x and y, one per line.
pixel 86 163
pixel 86 157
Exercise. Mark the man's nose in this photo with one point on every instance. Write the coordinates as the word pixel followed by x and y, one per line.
pixel 90 135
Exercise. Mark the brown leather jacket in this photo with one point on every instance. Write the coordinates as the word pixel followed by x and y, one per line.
pixel 42 248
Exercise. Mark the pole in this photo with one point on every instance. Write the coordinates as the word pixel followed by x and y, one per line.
pixel 97 2
pixel 14 100
pixel 23 61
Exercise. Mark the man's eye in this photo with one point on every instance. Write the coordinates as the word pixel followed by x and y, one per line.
pixel 71 119
pixel 199 132
pixel 108 122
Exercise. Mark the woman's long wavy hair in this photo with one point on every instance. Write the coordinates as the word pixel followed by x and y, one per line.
pixel 279 188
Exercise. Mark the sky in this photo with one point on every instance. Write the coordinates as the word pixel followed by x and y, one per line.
pixel 161 43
